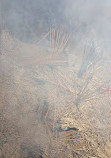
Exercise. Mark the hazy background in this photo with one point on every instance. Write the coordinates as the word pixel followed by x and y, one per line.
pixel 28 20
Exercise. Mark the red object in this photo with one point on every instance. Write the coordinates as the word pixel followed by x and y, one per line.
pixel 106 90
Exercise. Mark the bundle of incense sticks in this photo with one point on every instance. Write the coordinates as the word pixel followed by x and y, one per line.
pixel 58 41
